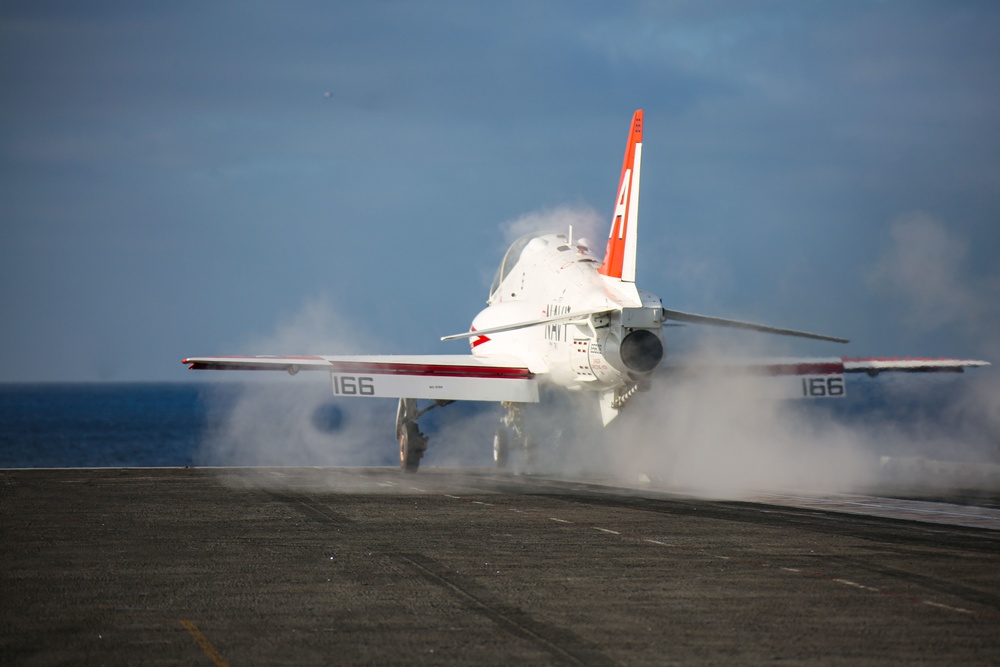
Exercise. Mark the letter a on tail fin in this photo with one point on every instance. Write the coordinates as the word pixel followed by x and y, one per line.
pixel 619 260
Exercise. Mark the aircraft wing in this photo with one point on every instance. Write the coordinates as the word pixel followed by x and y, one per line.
pixel 436 377
pixel 812 377
pixel 873 365
pixel 827 365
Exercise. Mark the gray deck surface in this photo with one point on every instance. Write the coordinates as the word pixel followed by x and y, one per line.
pixel 359 566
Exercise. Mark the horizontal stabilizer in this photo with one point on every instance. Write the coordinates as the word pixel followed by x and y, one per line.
pixel 691 318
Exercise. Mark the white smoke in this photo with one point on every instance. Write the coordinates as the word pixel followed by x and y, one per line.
pixel 711 436
pixel 273 419
pixel 714 437
pixel 318 327
pixel 925 268
pixel 295 422
pixel 703 436
pixel 586 223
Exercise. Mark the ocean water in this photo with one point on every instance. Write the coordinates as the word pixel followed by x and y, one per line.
pixel 185 424
pixel 100 425
pixel 297 423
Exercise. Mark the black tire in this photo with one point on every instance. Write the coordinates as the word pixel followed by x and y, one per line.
pixel 411 447
pixel 501 448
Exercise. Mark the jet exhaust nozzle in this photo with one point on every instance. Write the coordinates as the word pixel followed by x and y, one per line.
pixel 641 351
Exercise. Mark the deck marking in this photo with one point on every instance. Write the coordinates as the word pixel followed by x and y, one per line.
pixel 910 510
pixel 758 563
pixel 948 606
pixel 562 645
pixel 448 495
pixel 205 645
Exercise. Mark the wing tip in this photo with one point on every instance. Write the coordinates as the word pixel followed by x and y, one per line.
pixel 875 365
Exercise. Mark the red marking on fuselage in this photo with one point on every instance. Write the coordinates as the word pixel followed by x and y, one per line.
pixel 614 254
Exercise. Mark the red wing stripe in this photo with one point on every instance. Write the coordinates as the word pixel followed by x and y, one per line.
pixel 249 366
pixel 361 367
pixel 820 368
pixel 265 358
pixel 904 359
pixel 309 362
pixel 431 370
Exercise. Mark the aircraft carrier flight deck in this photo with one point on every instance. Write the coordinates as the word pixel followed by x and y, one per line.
pixel 353 566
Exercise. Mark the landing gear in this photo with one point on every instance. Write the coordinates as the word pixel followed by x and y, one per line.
pixel 512 434
pixel 412 443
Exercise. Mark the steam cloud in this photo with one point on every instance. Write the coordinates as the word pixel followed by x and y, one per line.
pixel 273 419
pixel 926 270
pixel 702 436
pixel 586 223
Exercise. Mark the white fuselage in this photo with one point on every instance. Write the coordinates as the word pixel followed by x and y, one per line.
pixel 615 341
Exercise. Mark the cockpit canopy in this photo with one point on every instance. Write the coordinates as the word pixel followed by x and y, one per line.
pixel 513 255
pixel 509 260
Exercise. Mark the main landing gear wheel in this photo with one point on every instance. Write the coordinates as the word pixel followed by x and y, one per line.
pixel 412 443
pixel 411 447
pixel 501 448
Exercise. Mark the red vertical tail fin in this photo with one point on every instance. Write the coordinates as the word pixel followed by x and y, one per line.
pixel 619 260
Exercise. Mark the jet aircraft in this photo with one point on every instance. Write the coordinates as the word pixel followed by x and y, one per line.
pixel 560 316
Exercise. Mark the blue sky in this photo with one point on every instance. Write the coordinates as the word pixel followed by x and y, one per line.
pixel 207 178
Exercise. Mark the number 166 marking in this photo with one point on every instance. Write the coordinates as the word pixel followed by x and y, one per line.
pixel 824 386
pixel 349 385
